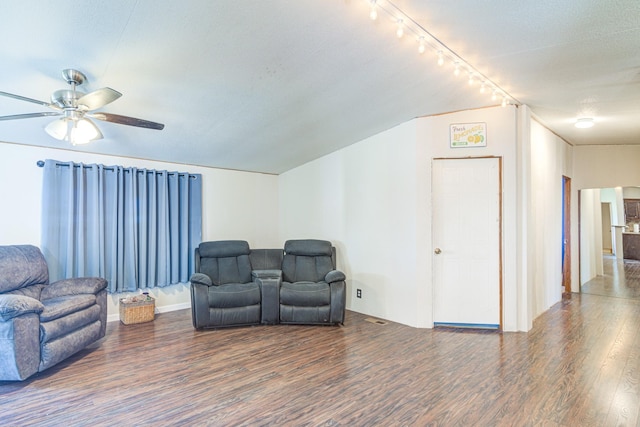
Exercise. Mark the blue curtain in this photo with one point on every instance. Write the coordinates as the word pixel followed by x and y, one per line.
pixel 137 228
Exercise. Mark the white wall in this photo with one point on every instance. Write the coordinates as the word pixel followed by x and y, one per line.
pixel 363 198
pixel 591 264
pixel 609 195
pixel 550 160
pixel 373 201
pixel 606 166
pixel 236 205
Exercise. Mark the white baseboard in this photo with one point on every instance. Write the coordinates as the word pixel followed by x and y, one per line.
pixel 164 309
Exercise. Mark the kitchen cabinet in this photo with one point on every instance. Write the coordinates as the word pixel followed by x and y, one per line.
pixel 631 245
pixel 631 210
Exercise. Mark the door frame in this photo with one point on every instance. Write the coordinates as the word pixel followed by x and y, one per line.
pixel 566 234
pixel 500 230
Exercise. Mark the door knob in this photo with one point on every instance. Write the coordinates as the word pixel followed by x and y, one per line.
pixel 437 251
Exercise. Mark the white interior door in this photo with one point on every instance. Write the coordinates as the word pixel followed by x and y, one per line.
pixel 466 242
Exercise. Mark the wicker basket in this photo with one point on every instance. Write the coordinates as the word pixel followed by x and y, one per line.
pixel 137 312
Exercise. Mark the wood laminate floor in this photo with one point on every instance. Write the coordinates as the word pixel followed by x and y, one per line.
pixel 620 279
pixel 578 366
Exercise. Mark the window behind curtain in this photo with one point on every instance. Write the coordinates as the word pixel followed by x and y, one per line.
pixel 137 228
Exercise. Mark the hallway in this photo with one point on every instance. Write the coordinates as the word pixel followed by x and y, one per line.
pixel 621 279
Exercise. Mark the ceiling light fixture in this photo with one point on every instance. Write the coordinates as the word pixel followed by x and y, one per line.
pixel 425 39
pixel 584 123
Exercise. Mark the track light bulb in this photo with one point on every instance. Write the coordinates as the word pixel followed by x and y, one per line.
pixel 482 88
pixel 373 12
pixel 470 78
pixel 494 96
pixel 421 47
pixel 456 69
pixel 440 58
pixel 400 31
pixel 504 101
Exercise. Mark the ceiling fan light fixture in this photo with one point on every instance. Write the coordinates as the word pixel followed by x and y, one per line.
pixel 75 107
pixel 584 123
pixel 83 131
pixel 57 129
pixel 75 131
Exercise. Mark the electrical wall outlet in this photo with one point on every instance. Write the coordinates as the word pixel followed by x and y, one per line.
pixel 358 293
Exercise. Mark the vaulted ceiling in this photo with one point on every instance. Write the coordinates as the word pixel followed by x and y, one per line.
pixel 267 86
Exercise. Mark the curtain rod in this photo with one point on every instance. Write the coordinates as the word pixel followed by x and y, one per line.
pixel 40 164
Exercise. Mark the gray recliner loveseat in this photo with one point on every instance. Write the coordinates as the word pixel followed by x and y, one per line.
pixel 43 323
pixel 235 285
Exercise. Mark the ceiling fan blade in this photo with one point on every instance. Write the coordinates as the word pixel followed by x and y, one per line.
pixel 98 98
pixel 125 120
pixel 30 115
pixel 24 98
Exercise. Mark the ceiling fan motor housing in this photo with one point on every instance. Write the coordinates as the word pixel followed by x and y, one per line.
pixel 65 98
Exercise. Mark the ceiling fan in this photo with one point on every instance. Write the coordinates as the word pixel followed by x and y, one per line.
pixel 77 109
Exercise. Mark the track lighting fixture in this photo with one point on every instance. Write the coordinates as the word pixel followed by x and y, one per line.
pixel 406 24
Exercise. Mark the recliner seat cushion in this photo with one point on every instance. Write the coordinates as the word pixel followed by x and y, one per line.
pixel 305 294
pixel 56 328
pixel 61 306
pixel 233 295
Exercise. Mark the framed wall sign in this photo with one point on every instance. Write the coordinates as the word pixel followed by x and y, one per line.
pixel 465 135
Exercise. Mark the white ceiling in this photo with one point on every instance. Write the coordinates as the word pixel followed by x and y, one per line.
pixel 269 85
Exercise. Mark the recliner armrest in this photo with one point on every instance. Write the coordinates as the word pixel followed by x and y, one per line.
pixel 335 276
pixel 201 279
pixel 73 286
pixel 16 305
